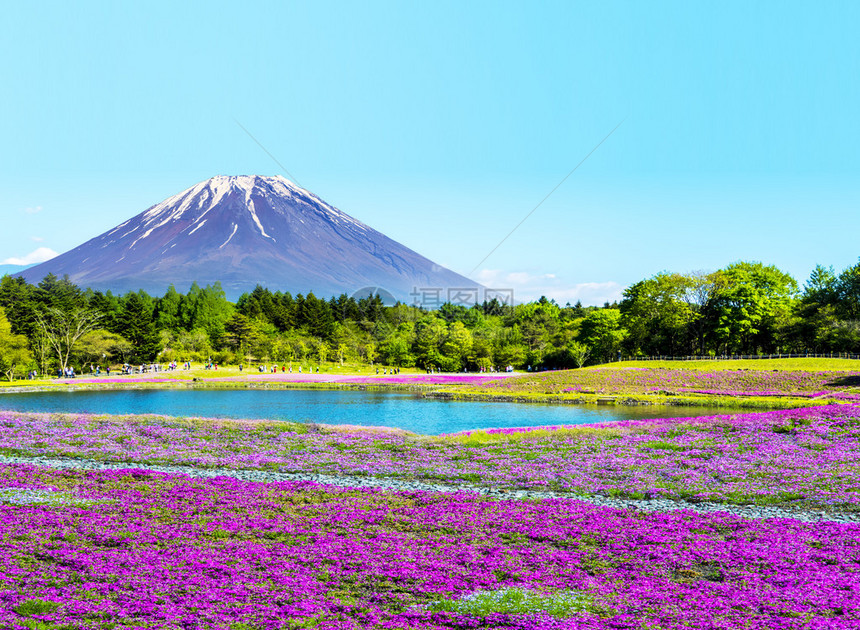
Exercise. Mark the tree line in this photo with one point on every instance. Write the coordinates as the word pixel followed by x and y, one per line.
pixel 745 308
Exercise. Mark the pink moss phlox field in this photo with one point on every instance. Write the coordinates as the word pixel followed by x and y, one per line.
pixel 174 552
pixel 799 456
pixel 718 392
pixel 657 380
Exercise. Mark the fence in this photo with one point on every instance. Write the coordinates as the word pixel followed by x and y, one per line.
pixel 728 357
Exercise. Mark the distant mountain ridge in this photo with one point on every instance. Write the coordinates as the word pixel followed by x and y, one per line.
pixel 244 231
pixel 12 269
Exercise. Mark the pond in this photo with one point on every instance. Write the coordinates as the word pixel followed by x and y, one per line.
pixel 386 409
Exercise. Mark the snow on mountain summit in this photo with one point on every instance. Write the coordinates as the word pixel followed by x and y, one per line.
pixel 242 231
pixel 198 200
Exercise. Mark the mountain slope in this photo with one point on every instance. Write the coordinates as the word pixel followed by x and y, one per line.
pixel 244 231
pixel 12 269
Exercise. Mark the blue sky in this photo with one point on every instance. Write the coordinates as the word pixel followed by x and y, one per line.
pixel 444 124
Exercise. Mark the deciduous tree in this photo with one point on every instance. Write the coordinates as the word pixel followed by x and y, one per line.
pixel 63 329
pixel 14 354
pixel 753 306
pixel 601 331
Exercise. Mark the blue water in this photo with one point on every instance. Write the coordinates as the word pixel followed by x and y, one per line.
pixel 388 409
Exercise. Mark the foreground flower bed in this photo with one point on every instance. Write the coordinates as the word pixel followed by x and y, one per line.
pixel 159 551
pixel 801 457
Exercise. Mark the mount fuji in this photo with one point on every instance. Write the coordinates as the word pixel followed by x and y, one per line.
pixel 244 231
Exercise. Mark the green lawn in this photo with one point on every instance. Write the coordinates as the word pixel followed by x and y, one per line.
pixel 794 365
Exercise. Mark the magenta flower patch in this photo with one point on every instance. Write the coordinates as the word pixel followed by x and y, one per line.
pixel 174 552
pixel 807 457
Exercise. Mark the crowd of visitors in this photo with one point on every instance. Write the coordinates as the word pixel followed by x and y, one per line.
pixel 144 368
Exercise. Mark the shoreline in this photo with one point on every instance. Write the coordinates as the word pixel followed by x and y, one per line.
pixel 437 391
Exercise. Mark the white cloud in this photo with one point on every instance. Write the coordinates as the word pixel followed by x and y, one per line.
pixel 33 209
pixel 589 293
pixel 500 277
pixel 518 277
pixel 38 255
pixel 37 239
pixel 528 286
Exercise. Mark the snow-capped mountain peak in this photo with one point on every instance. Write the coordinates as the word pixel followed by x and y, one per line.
pixel 245 230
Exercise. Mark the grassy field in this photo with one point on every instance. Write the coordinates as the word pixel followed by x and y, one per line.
pixel 199 371
pixel 798 364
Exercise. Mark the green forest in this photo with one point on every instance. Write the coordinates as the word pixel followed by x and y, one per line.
pixel 745 308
